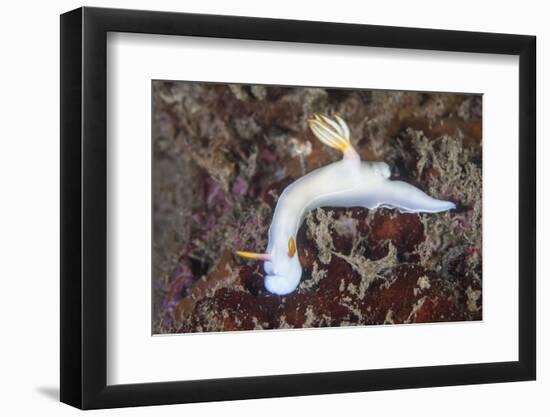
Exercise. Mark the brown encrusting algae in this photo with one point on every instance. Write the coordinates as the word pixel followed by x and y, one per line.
pixel 223 154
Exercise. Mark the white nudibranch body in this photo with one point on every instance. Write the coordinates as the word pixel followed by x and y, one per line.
pixel 349 182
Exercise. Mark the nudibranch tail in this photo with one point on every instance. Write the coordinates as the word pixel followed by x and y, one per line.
pixel 409 199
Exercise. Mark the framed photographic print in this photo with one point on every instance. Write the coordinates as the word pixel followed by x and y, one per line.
pixel 257 208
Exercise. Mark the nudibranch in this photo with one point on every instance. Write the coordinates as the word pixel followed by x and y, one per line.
pixel 348 182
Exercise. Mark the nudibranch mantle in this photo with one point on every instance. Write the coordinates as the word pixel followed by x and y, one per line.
pixel 349 182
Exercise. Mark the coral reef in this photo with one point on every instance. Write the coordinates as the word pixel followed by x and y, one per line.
pixel 224 153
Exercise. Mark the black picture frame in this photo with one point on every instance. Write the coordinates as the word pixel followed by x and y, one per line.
pixel 84 207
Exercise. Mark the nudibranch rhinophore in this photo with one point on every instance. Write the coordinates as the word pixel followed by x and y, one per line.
pixel 349 182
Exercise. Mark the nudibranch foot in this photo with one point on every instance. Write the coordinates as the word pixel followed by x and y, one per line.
pixel 346 183
pixel 280 285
